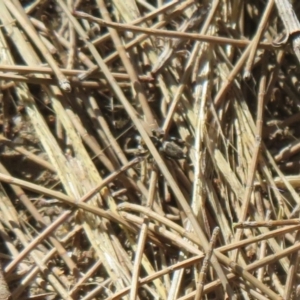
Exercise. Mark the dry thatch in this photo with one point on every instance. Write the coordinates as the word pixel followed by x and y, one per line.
pixel 98 201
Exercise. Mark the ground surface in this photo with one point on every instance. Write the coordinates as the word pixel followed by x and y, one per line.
pixel 149 150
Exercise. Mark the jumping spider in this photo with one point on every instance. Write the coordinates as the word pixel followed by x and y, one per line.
pixel 170 148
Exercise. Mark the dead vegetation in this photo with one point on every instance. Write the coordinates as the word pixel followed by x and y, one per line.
pixel 98 201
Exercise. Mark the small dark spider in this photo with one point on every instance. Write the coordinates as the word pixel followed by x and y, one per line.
pixel 170 148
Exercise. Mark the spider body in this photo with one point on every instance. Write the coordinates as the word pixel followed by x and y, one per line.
pixel 170 148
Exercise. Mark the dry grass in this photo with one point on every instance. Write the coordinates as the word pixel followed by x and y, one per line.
pixel 92 207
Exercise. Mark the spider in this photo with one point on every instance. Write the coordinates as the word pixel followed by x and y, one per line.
pixel 170 148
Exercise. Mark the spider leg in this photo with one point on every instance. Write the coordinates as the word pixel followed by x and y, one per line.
pixel 138 151
pixel 177 140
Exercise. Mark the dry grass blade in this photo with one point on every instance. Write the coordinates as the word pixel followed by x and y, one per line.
pixel 291 24
pixel 168 34
pixel 27 26
pixel 4 291
pixel 257 146
pixel 204 268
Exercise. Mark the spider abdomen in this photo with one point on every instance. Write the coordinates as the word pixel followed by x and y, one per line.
pixel 172 150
